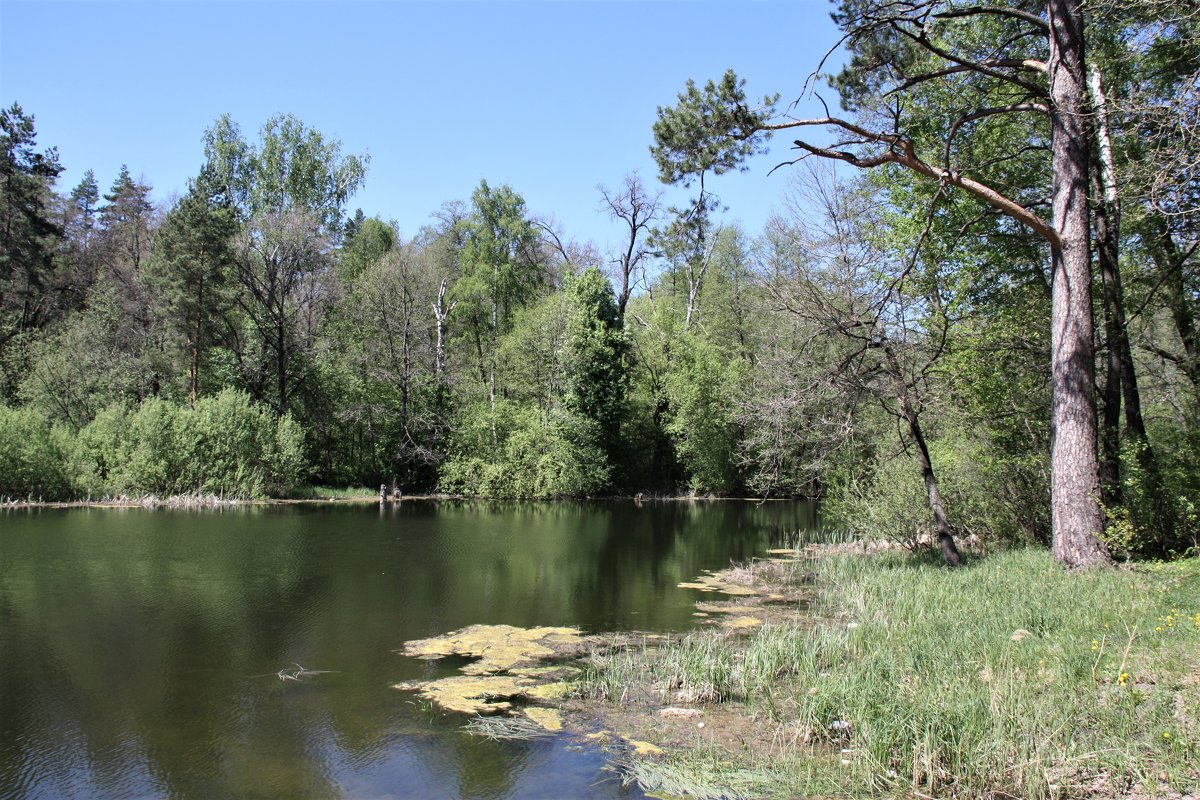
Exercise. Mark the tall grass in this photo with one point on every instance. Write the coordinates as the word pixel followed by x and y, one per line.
pixel 1007 677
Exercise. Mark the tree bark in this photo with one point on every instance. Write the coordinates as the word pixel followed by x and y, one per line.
pixel 1075 491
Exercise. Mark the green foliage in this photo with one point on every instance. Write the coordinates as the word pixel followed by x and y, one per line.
pixel 500 271
pixel 28 233
pixel 370 241
pixel 540 456
pixel 594 367
pixel 701 387
pixel 191 267
pixel 1133 524
pixel 710 129
pixel 226 445
pixel 292 168
pixel 32 455
pixel 85 364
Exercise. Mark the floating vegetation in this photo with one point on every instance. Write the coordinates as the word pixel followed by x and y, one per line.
pixel 501 648
pixel 549 691
pixel 510 665
pixel 644 748
pixel 714 583
pixel 508 728
pixel 547 718
pixel 472 694
pixel 736 623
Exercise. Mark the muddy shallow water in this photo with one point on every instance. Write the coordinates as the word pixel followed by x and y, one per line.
pixel 154 653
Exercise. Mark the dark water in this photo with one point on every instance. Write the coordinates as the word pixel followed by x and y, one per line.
pixel 138 649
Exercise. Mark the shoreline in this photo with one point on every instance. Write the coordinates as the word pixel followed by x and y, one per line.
pixel 211 501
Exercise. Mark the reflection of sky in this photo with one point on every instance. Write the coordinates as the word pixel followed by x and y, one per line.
pixel 138 650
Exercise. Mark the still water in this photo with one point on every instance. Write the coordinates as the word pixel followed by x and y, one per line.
pixel 139 649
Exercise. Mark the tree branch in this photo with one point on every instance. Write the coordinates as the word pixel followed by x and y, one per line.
pixel 921 40
pixel 983 113
pixel 999 11
pixel 900 151
pixel 991 63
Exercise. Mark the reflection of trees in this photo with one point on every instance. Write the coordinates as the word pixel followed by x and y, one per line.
pixel 128 639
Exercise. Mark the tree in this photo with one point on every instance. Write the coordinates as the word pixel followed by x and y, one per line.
pixel 370 240
pixel 80 220
pixel 393 402
pixel 288 191
pixel 292 167
pixel 897 48
pixel 595 349
pixel 883 333
pixel 281 264
pixel 191 267
pixel 500 273
pixel 638 211
pixel 28 235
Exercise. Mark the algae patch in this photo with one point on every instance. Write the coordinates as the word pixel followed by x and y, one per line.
pixel 548 718
pixel 714 583
pixel 472 694
pixel 509 665
pixel 500 648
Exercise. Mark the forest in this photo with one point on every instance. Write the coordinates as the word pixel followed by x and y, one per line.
pixel 979 303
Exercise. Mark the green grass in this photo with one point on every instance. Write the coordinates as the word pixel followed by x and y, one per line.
pixel 1007 677
pixel 334 493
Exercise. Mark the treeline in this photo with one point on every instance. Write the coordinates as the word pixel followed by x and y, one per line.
pixel 881 344
pixel 488 355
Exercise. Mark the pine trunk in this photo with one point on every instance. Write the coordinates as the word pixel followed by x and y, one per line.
pixel 1075 486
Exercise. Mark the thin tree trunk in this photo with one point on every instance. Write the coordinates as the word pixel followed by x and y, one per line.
pixel 1103 221
pixel 941 523
pixel 195 370
pixel 440 315
pixel 1075 490
pixel 492 373
pixel 1107 220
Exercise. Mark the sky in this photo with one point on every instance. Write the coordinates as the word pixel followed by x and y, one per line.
pixel 552 98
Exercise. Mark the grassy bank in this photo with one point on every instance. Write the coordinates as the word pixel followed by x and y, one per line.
pixel 1006 678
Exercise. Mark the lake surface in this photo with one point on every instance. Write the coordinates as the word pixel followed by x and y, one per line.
pixel 139 649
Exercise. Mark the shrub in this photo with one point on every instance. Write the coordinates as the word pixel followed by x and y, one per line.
pixel 227 445
pixel 31 456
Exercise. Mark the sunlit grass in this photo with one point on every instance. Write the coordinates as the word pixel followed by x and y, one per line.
pixel 335 493
pixel 1008 676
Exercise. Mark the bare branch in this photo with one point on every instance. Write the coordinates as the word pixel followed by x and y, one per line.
pixel 921 40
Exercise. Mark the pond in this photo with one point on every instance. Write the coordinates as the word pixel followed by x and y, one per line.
pixel 140 649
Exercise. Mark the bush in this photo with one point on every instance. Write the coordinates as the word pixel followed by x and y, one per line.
pixel 227 445
pixel 535 458
pixel 32 461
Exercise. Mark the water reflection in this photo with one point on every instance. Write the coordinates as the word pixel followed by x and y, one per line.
pixel 138 649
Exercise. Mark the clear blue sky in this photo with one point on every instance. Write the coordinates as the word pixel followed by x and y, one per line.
pixel 550 97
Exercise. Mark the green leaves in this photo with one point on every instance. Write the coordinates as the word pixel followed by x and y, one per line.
pixel 710 130
pixel 292 168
